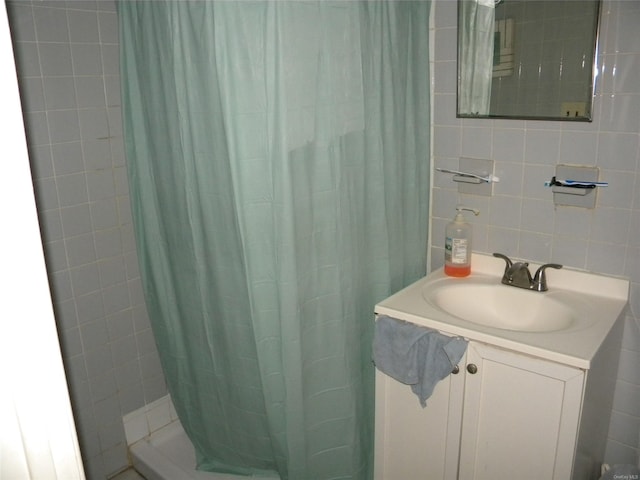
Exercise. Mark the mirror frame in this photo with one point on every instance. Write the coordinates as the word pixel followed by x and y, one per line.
pixel 588 117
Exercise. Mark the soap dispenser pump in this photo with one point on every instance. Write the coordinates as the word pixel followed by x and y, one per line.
pixel 457 251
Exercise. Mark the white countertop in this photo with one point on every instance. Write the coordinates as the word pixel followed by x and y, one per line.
pixel 598 300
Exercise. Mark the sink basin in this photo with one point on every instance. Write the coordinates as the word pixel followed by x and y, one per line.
pixel 566 324
pixel 489 303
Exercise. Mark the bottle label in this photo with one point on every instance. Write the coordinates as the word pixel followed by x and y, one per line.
pixel 456 251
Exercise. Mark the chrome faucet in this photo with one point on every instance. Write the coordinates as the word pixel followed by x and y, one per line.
pixel 518 275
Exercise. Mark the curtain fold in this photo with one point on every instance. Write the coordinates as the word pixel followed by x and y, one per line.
pixel 278 157
pixel 475 56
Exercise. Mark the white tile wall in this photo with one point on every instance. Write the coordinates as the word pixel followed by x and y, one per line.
pixel 149 418
pixel 520 219
pixel 67 62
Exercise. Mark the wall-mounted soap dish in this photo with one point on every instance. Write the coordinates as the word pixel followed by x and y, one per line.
pixel 467 177
pixel 575 186
pixel 473 176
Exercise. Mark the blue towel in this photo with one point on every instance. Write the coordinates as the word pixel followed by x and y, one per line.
pixel 415 355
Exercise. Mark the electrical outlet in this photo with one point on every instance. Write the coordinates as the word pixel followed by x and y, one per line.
pixel 573 109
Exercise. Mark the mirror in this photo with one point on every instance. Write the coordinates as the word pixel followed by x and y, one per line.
pixel 527 59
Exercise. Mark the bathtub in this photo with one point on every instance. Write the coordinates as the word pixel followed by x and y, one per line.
pixel 167 454
pixel 159 447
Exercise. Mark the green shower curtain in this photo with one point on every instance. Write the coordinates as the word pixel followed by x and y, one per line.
pixel 278 157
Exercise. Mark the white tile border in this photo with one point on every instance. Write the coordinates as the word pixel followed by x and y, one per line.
pixel 149 418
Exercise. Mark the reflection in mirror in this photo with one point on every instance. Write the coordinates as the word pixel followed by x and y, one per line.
pixel 527 59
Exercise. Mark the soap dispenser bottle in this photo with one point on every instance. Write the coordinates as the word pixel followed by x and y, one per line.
pixel 457 250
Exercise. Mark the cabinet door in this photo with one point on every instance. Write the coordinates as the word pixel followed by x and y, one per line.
pixel 520 416
pixel 415 443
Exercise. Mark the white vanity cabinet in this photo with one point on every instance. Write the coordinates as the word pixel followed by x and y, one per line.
pixel 504 415
pixel 412 442
pixel 530 400
pixel 520 416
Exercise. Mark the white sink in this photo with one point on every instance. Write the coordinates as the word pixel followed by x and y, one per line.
pixel 489 303
pixel 565 324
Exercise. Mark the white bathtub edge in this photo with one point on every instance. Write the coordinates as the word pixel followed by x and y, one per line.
pixel 153 466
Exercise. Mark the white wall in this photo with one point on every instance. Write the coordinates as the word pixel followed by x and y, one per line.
pixel 68 68
pixel 35 442
pixel 520 220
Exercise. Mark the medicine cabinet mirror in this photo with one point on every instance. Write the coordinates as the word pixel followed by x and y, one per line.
pixel 527 59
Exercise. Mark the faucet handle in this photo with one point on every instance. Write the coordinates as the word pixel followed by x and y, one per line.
pixel 506 259
pixel 540 278
pixel 516 274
